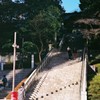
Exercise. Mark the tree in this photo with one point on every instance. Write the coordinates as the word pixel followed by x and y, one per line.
pixel 43 27
pixel 89 5
pixel 10 21
pixel 36 21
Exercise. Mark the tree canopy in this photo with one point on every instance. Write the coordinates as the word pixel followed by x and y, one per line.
pixel 35 22
pixel 86 22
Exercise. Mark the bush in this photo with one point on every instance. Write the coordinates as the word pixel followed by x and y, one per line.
pixel 94 86
pixel 95 57
pixel 8 66
pixel 98 67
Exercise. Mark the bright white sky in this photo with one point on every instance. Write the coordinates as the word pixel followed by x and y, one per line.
pixel 71 5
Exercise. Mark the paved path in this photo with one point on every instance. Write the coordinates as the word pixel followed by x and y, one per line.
pixel 60 80
pixel 19 75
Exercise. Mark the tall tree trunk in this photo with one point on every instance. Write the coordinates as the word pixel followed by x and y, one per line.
pixel 41 48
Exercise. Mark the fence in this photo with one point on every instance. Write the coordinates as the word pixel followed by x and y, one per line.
pixel 29 81
pixel 31 78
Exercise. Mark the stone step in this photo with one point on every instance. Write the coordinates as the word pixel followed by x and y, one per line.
pixel 60 74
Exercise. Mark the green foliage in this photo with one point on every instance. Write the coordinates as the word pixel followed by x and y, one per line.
pixel 98 67
pixel 46 23
pixel 27 47
pixel 94 84
pixel 95 57
pixel 94 80
pixel 36 22
pixel 89 4
pixel 7 47
pixel 94 88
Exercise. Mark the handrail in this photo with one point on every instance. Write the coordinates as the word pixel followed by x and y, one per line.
pixel 31 78
pixel 8 97
pixel 83 87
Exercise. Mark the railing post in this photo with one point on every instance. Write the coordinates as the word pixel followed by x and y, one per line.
pixel 32 61
pixel 33 75
pixel 84 80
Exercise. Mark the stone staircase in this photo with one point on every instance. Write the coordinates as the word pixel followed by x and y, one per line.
pixel 59 74
pixel 20 74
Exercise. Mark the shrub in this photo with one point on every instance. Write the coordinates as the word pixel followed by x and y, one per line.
pixel 94 88
pixel 98 67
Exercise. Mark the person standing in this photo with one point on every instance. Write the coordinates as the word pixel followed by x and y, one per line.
pixel 69 53
pixel 4 80
pixel 21 92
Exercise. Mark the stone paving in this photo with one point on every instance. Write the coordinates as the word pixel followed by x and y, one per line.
pixel 60 80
